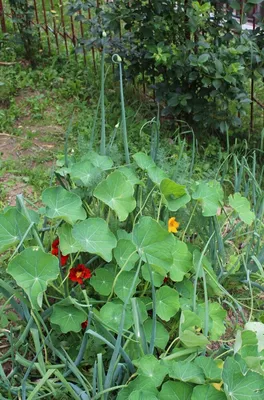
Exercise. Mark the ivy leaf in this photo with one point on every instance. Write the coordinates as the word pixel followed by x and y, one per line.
pixel 176 391
pixel 111 314
pixel 33 269
pixel 152 369
pixel 210 195
pixel 86 172
pixel 207 392
pixel 95 237
pixel 153 242
pixel 13 226
pixel 68 315
pixel 167 300
pixel 144 161
pixel 240 385
pixel 102 281
pixel 63 204
pixel 117 193
pixel 182 261
pixel 186 371
pixel 68 244
pixel 242 206
pixel 123 285
pixel 124 256
pixel 175 195
pixel 162 335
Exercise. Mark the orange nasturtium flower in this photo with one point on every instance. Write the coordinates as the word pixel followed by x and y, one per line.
pixel 173 225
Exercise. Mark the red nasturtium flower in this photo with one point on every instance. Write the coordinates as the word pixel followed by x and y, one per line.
pixel 55 252
pixel 173 225
pixel 79 273
pixel 85 324
pixel 165 279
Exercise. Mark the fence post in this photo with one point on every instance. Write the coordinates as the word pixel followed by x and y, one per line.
pixel 2 17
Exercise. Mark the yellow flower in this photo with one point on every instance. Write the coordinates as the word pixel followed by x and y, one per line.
pixel 217 386
pixel 173 225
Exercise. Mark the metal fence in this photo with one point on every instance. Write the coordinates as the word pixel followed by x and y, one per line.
pixel 59 32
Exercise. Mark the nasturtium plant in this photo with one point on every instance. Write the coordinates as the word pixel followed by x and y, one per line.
pixel 85 172
pixel 13 227
pixel 242 206
pixel 68 315
pixel 102 281
pixel 167 301
pixel 117 192
pixel 207 392
pixel 176 391
pixel 162 335
pixel 175 195
pixel 63 205
pixel 102 162
pixel 182 261
pixel 210 195
pixel 111 314
pixel 33 269
pixel 68 244
pixel 95 237
pixel 124 284
pixel 144 161
pixel 152 369
pixel 186 371
pixel 153 242
pixel 125 254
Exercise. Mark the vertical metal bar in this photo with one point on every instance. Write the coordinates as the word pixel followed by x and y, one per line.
pixel 37 21
pixel 82 33
pixel 252 85
pixel 63 26
pixel 55 27
pixel 2 17
pixel 93 53
pixel 46 25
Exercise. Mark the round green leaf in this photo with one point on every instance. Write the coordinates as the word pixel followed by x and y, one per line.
pixel 175 195
pixel 68 244
pixel 125 254
pixel 217 317
pixel 211 197
pixel 63 204
pixel 182 261
pixel 240 385
pixel 102 281
pixel 68 316
pixel 186 371
pixel 144 161
pixel 130 175
pixel 162 335
pixel 157 277
pixel 153 242
pixel 102 162
pixel 124 283
pixel 95 237
pixel 207 392
pixel 156 174
pixel 117 193
pixel 142 394
pixel 111 314
pixel 13 226
pixel 242 206
pixel 209 366
pixel 86 172
pixel 152 369
pixel 176 391
pixel 33 269
pixel 167 300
